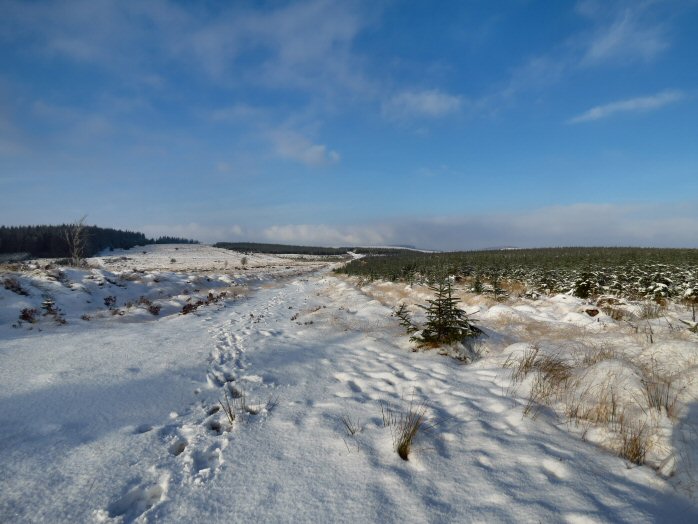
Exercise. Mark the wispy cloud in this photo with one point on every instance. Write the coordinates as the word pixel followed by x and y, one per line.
pixel 632 105
pixel 430 103
pixel 616 34
pixel 303 45
pixel 294 146
pixel 631 32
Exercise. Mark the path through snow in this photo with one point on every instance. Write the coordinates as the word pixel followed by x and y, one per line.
pixel 120 423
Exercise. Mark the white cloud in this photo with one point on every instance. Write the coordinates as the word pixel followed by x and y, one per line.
pixel 430 103
pixel 294 146
pixel 660 225
pixel 656 225
pixel 618 33
pixel 302 45
pixel 630 33
pixel 632 105
pixel 325 235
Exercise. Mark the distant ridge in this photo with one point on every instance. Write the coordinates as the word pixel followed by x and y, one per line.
pixel 288 249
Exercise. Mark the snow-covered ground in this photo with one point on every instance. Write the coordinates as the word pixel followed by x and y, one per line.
pixel 118 419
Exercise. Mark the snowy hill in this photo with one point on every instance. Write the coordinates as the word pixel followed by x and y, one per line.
pixel 123 418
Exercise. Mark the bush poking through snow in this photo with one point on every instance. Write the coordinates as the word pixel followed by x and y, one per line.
pixel 191 306
pixel 12 284
pixel 28 314
pixel 154 309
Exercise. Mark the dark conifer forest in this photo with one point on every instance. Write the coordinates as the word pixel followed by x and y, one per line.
pixel 50 241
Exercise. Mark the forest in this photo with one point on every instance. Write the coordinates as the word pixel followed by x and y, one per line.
pixel 47 241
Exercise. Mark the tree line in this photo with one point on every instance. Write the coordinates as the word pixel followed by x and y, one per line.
pixel 287 249
pixel 46 241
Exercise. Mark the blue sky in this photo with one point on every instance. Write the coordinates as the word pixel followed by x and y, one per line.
pixel 445 125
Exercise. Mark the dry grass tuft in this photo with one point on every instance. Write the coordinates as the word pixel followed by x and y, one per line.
pixel 662 395
pixel 552 374
pixel 634 441
pixel 228 408
pixel 649 310
pixel 405 425
pixel 524 365
pixel 598 405
pixel 597 354
pixel 617 313
pixel 552 368
pixel 353 426
pixel 235 406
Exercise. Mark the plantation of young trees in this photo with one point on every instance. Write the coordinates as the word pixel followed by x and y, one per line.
pixel 648 273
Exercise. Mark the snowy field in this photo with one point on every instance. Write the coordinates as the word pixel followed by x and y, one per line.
pixel 111 412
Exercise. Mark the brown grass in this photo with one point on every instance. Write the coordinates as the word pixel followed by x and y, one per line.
pixel 596 405
pixel 405 425
pixel 513 288
pixel 524 365
pixel 598 353
pixel 634 441
pixel 661 394
pixel 551 368
pixel 649 310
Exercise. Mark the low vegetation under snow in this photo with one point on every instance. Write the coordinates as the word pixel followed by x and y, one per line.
pixel 289 394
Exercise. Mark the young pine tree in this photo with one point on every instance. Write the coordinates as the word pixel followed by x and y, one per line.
pixel 446 322
pixel 405 321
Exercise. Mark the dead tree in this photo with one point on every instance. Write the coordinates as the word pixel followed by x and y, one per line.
pixel 75 237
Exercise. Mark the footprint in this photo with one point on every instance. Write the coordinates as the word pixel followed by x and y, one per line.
pixel 214 426
pixel 214 381
pixel 178 447
pixel 143 428
pixel 139 500
pixel 204 464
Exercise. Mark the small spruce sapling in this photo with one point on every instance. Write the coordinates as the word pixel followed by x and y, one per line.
pixel 405 320
pixel 446 322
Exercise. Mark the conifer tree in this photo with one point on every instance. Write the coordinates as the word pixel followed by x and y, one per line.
pixel 404 315
pixel 446 322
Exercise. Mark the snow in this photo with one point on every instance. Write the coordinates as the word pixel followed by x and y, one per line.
pixel 117 419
